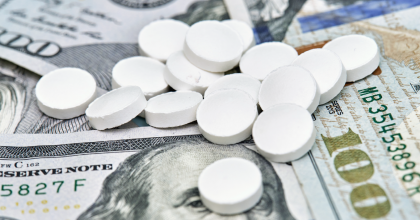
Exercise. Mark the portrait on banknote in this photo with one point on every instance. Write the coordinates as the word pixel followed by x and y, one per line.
pixel 161 183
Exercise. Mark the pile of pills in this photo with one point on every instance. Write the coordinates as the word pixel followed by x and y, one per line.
pixel 285 86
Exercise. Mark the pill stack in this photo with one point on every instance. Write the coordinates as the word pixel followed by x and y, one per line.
pixel 192 60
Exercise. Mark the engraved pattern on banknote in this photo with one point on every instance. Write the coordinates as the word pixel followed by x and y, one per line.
pixel 204 10
pixel 141 3
pixel 98 54
pixel 392 150
pixel 19 111
pixel 143 184
pixel 92 147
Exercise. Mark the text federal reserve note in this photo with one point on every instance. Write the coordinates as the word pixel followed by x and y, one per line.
pixel 140 173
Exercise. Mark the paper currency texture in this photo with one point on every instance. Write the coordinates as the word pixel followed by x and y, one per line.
pixel 92 35
pixel 363 165
pixel 141 173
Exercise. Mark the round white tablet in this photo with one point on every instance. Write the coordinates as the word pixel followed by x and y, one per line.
pixel 161 38
pixel 284 132
pixel 327 69
pixel 213 46
pixel 65 93
pixel 116 107
pixel 289 84
pixel 147 73
pixel 242 82
pixel 227 116
pixel 173 109
pixel 244 30
pixel 262 59
pixel 359 54
pixel 230 186
pixel 180 74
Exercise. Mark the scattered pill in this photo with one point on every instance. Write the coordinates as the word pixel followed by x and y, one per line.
pixel 116 107
pixel 161 38
pixel 242 82
pixel 327 69
pixel 289 84
pixel 227 116
pixel 359 54
pixel 230 186
pixel 213 46
pixel 180 74
pixel 284 132
pixel 244 31
pixel 173 109
pixel 260 60
pixel 65 93
pixel 147 73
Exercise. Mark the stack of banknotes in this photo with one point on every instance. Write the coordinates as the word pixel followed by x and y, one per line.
pixel 365 163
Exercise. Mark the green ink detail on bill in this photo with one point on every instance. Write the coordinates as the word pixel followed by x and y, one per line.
pixel 76 184
pixel 346 140
pixel 367 91
pixel 351 158
pixel 370 201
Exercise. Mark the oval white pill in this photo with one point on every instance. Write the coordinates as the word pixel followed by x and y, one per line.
pixel 289 84
pixel 116 107
pixel 65 93
pixel 262 59
pixel 359 54
pixel 230 186
pixel 284 132
pixel 161 38
pixel 227 116
pixel 147 73
pixel 244 31
pixel 327 69
pixel 180 74
pixel 213 46
pixel 173 109
pixel 242 82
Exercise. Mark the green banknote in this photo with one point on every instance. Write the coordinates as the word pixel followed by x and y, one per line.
pixel 44 35
pixel 139 173
pixel 366 160
pixel 364 165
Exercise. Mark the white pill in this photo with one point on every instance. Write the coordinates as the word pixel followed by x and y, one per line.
pixel 227 116
pixel 359 54
pixel 65 93
pixel 284 132
pixel 230 186
pixel 327 69
pixel 289 84
pixel 213 46
pixel 161 38
pixel 116 107
pixel 262 59
pixel 180 74
pixel 147 73
pixel 242 82
pixel 244 31
pixel 173 109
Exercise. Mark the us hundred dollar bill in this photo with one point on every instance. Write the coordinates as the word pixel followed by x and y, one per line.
pixel 365 163
pixel 366 160
pixel 140 173
pixel 43 35
pixel 19 112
